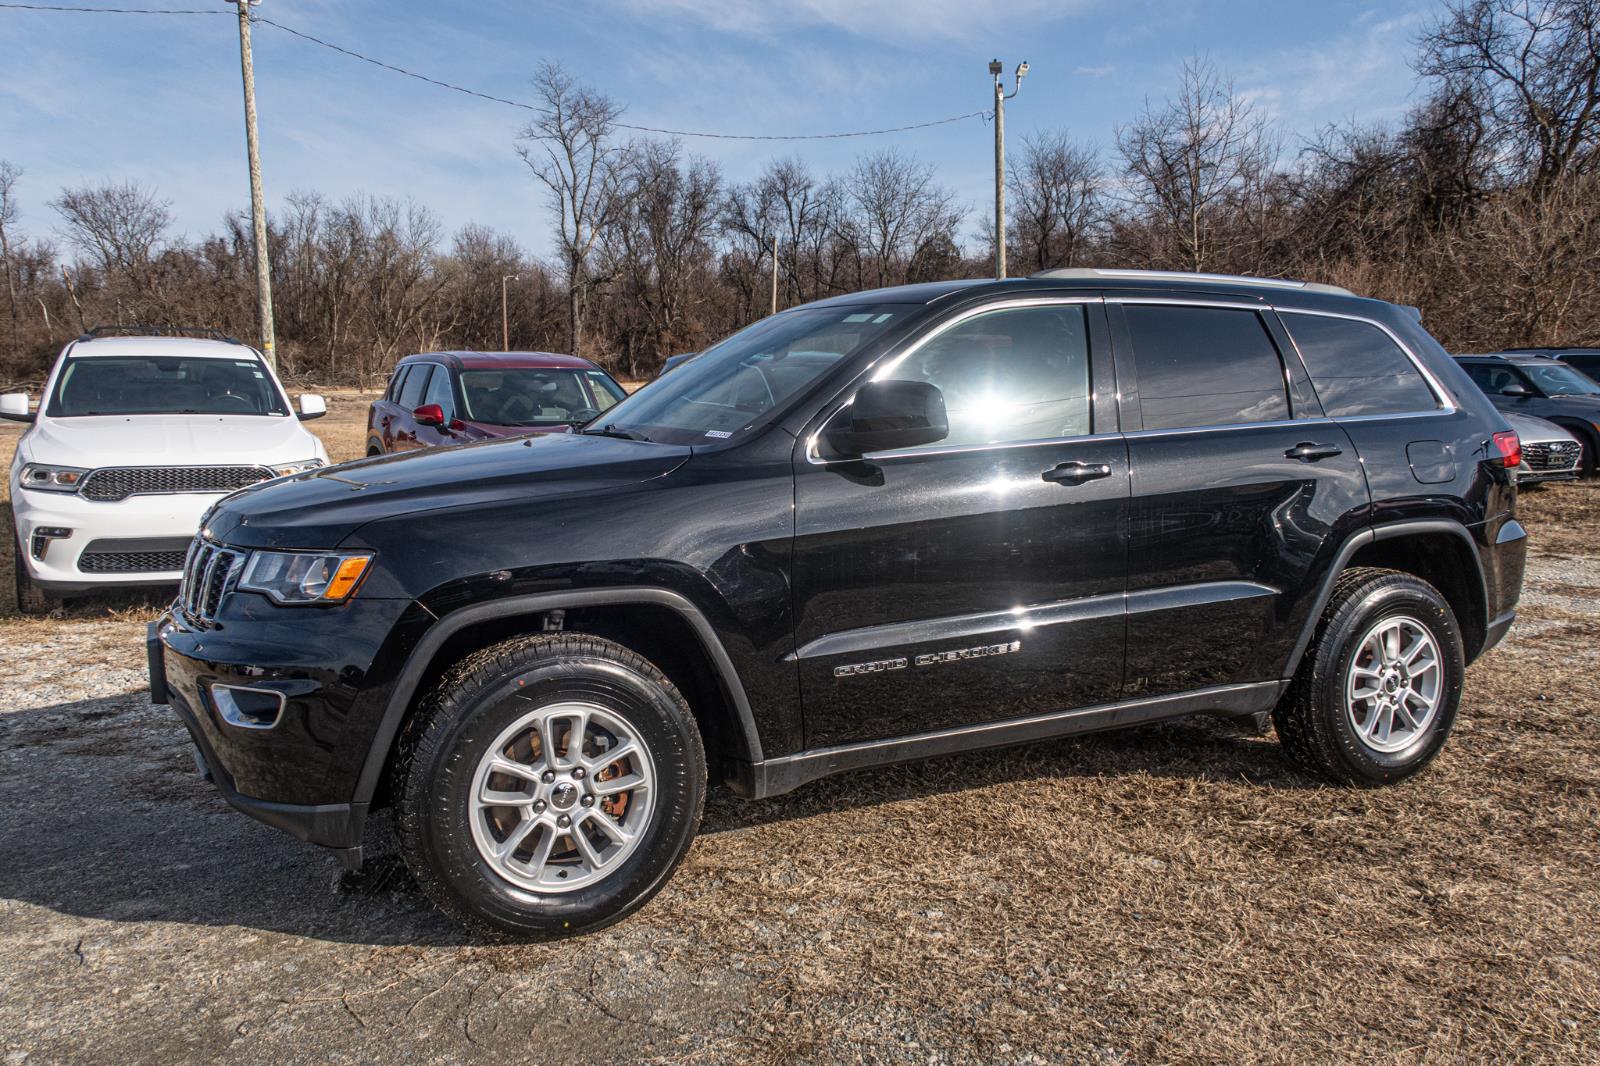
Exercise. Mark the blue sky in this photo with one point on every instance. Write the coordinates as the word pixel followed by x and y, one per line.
pixel 85 98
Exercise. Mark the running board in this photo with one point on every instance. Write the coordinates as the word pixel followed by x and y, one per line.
pixel 773 777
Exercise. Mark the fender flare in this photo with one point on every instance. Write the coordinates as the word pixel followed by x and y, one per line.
pixel 1372 535
pixel 422 656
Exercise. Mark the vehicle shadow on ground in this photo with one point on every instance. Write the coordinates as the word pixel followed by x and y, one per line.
pixel 102 815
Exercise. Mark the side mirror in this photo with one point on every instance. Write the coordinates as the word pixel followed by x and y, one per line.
pixel 1519 391
pixel 429 414
pixel 14 405
pixel 887 415
pixel 311 406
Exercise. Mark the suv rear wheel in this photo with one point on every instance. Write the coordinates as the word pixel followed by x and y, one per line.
pixel 549 785
pixel 1376 693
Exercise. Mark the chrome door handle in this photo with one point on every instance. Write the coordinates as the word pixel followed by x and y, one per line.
pixel 1307 452
pixel 1077 473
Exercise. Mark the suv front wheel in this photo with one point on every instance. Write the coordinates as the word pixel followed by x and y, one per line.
pixel 1376 693
pixel 549 785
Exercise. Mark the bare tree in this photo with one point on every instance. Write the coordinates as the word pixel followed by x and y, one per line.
pixel 1196 168
pixel 9 173
pixel 571 149
pixel 658 246
pixel 1056 204
pixel 1538 63
pixel 122 226
pixel 895 213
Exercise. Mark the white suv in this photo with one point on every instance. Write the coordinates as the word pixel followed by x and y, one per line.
pixel 135 437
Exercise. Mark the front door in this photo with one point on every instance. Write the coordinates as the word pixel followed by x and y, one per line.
pixel 980 577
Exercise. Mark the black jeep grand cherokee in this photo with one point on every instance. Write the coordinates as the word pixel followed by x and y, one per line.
pixel 886 526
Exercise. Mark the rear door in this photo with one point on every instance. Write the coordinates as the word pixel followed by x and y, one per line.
pixel 381 420
pixel 981 577
pixel 1241 492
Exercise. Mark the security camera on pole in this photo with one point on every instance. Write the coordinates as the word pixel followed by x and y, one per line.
pixel 996 68
pixel 258 211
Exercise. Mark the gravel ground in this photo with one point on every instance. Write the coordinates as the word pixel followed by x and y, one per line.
pixel 1171 893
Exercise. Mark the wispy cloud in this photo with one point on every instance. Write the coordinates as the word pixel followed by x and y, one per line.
pixel 868 18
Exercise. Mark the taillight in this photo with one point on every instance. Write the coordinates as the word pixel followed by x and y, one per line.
pixel 1510 448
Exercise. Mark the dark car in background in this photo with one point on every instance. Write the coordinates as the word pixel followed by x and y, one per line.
pixel 1585 359
pixel 1529 383
pixel 454 397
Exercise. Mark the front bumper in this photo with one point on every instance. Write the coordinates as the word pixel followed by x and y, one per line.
pixel 333 669
pixel 138 524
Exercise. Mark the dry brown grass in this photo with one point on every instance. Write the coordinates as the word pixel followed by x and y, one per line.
pixel 1174 893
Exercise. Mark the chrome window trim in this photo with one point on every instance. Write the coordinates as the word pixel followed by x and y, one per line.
pixel 814 457
pixel 1199 301
pixel 1441 395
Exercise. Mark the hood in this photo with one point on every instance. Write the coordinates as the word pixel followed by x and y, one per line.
pixel 171 440
pixel 1529 428
pixel 320 509
pixel 1584 406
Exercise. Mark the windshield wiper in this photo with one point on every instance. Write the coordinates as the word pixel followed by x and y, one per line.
pixel 613 431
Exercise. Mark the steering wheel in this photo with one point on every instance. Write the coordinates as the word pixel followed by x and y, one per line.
pixel 241 402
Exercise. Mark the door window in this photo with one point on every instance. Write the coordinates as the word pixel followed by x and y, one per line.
pixel 396 383
pixel 1492 378
pixel 440 392
pixel 1205 366
pixel 1357 368
pixel 412 388
pixel 1010 375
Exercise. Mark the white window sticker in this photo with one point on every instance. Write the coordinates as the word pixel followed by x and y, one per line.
pixel 720 434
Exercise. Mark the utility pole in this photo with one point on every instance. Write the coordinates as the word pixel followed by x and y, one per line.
pixel 258 210
pixel 996 69
pixel 505 319
pixel 774 273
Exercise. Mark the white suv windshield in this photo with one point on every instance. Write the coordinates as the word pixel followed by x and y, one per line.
pixel 159 385
pixel 736 384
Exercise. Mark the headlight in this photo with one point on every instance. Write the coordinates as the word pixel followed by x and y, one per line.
pixel 52 478
pixel 305 577
pixel 285 469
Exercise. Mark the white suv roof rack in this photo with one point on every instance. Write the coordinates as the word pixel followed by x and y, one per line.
pixel 1178 275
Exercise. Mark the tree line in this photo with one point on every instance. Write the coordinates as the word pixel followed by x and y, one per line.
pixel 1481 206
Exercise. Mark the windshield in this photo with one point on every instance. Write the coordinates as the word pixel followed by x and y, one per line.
pixel 1561 380
pixel 730 387
pixel 164 385
pixel 528 396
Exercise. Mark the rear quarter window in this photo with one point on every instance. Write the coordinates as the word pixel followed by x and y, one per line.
pixel 1357 368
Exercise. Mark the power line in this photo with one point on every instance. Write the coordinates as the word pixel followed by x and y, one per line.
pixel 500 99
pixel 116 10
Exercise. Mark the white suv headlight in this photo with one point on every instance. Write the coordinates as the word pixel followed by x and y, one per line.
pixel 52 478
pixel 285 469
pixel 305 577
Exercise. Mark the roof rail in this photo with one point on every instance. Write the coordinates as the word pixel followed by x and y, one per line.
pixel 202 332
pixel 1098 273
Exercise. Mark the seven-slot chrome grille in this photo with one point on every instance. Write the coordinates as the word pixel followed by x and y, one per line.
pixel 207 574
pixel 1546 456
pixel 113 483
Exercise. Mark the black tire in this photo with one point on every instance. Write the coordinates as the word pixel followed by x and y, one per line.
pixel 31 599
pixel 1313 719
pixel 452 730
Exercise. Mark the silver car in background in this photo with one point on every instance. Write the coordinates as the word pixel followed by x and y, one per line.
pixel 1549 453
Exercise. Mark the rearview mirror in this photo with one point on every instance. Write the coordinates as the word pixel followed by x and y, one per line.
pixel 14 405
pixel 1519 391
pixel 887 415
pixel 429 414
pixel 311 406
